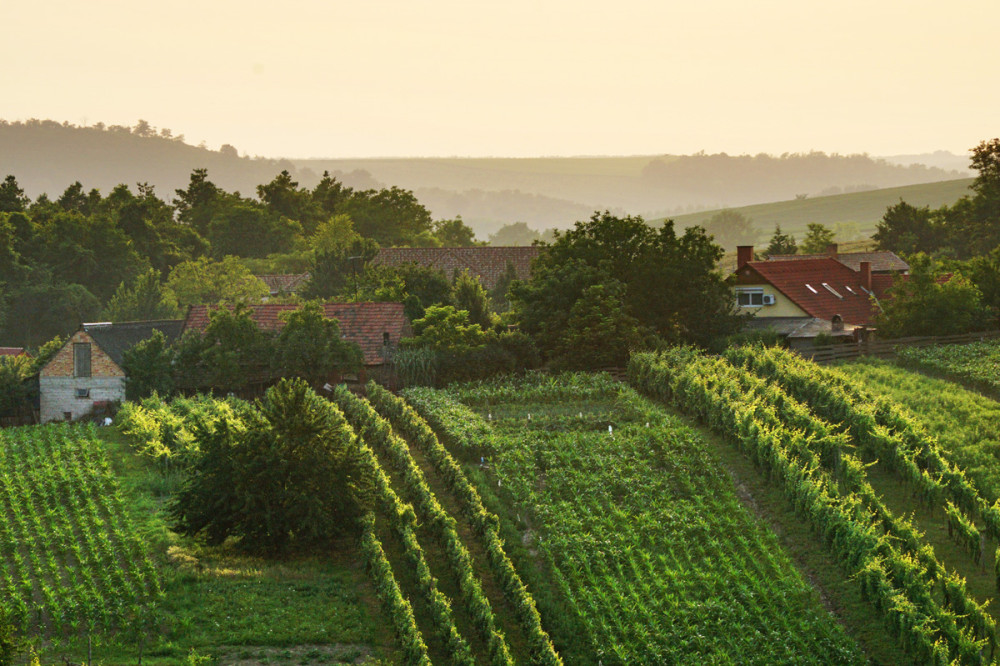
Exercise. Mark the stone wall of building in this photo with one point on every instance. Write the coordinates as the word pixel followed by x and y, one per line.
pixel 58 395
pixel 59 399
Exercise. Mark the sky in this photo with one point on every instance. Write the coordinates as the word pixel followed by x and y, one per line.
pixel 514 78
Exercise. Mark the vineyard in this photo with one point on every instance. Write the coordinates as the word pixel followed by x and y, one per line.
pixel 641 546
pixel 965 424
pixel 976 365
pixel 71 559
pixel 806 427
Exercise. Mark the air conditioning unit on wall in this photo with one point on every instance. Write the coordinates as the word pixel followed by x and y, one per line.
pixel 768 299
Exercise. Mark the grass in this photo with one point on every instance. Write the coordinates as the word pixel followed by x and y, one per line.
pixel 219 602
pixel 864 209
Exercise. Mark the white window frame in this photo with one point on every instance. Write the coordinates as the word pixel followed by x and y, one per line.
pixel 751 292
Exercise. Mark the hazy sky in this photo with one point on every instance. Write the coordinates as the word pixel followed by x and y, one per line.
pixel 514 78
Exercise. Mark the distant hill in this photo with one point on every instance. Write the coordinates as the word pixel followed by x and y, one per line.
pixel 941 159
pixel 855 214
pixel 654 186
pixel 47 156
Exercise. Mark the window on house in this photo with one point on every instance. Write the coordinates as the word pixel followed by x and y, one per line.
pixel 67 416
pixel 750 297
pixel 385 339
pixel 81 359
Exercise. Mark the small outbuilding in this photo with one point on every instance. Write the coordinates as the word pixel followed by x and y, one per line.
pixel 86 375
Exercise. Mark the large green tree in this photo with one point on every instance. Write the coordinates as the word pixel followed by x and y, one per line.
pixel 818 238
pixel 291 474
pixel 208 282
pixel 781 243
pixel 310 346
pixel 671 284
pixel 144 298
pixel 12 197
pixel 730 228
pixel 929 302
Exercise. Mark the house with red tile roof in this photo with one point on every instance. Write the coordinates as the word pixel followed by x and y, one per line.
pixel 12 351
pixel 804 298
pixel 376 328
pixel 486 263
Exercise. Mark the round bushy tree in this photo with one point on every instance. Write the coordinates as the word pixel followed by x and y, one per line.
pixel 289 473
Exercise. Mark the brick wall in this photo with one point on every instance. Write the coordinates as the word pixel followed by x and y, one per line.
pixel 101 364
pixel 58 395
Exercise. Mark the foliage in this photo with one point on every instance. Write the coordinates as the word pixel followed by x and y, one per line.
pixel 455 233
pixel 207 282
pixel 671 284
pixel 499 301
pixel 335 271
pixel 780 243
pixel 515 234
pixel 144 299
pixel 975 365
pixel 287 474
pixel 45 310
pixel 310 346
pixel 13 393
pixel 148 368
pixel 599 331
pixel 10 643
pixel 443 328
pixel 468 294
pixel 730 228
pixel 245 230
pixel 929 303
pixel 12 197
pixel 906 229
pixel 817 239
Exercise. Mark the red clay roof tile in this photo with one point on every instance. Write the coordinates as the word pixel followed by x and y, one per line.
pixel 487 263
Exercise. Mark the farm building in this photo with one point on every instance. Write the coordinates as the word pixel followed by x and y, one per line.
pixel 376 328
pixel 486 263
pixel 86 375
pixel 804 298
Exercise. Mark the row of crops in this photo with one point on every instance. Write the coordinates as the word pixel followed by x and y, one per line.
pixel 807 427
pixel 640 532
pixel 976 365
pixel 966 424
pixel 71 558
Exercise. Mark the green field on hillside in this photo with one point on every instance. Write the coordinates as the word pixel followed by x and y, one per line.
pixel 863 209
pixel 635 535
pixel 906 524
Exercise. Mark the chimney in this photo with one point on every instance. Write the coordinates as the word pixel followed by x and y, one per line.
pixel 866 275
pixel 831 250
pixel 837 323
pixel 744 255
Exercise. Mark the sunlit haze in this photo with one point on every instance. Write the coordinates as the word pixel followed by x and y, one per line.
pixel 515 78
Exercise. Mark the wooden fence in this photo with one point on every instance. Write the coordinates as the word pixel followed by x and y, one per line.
pixel 887 348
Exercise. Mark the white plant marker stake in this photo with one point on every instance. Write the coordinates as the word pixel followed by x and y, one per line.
pixel 611 432
pixel 529 416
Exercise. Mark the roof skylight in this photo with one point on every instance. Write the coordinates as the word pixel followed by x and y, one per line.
pixel 810 288
pixel 832 291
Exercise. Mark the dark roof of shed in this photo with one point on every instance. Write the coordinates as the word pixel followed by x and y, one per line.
pixel 487 263
pixel 11 351
pixel 118 337
pixel 361 323
pixel 881 262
